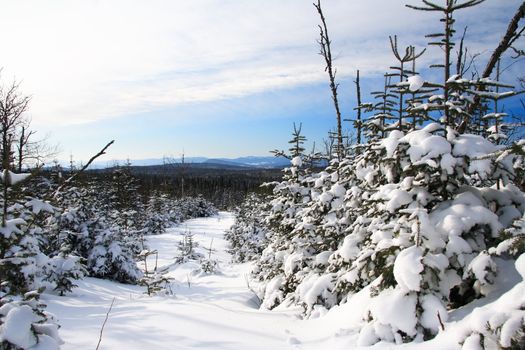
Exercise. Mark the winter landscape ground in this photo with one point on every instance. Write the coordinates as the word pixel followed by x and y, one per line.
pixel 218 311
pixel 206 311
pixel 393 218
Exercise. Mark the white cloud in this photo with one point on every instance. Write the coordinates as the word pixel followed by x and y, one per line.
pixel 89 60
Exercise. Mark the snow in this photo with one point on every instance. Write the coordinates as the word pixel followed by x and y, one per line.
pixel 17 327
pixel 391 142
pixel 481 266
pixel 432 306
pixel 38 205
pixel 219 311
pixel 424 145
pixel 461 215
pixel 415 83
pixel 215 311
pixel 297 162
pixel 13 178
pixel 338 190
pixel 408 268
pixel 520 265
pixel 473 342
pixel 396 309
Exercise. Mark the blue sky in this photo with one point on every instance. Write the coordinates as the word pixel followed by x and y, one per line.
pixel 216 78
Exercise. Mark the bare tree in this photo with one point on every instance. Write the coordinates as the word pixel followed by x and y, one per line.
pixel 171 164
pixel 326 52
pixel 513 33
pixel 32 152
pixel 12 107
pixel 358 122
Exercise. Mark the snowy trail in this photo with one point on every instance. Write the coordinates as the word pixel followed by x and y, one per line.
pixel 206 311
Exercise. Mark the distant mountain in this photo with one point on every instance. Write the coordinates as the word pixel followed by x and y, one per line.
pixel 254 162
pixel 263 162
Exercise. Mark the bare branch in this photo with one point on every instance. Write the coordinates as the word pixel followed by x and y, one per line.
pixel 104 324
pixel 72 177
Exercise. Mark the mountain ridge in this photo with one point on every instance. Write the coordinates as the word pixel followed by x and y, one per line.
pixel 248 162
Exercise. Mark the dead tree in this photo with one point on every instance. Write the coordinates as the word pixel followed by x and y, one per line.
pixel 358 122
pixel 513 33
pixel 30 151
pixel 326 52
pixel 12 107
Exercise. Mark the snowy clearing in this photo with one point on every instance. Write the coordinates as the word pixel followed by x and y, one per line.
pixel 214 311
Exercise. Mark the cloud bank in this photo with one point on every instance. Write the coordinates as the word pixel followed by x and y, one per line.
pixel 85 61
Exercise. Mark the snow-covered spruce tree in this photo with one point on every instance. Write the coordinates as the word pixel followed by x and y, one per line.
pixel 186 248
pixel 23 321
pixel 277 266
pixel 194 207
pixel 23 268
pixel 421 241
pixel 22 261
pixel 247 236
pixel 64 269
pixel 123 202
pixel 157 217
pixel 154 279
pixel 321 225
pixel 84 229
pixel 24 324
pixel 112 256
pixel 377 125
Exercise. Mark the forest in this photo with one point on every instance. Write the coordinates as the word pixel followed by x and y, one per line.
pixel 408 229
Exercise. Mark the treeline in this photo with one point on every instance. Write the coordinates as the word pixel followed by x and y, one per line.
pixel 225 188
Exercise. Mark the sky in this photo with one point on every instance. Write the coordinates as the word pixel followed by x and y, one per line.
pixel 213 78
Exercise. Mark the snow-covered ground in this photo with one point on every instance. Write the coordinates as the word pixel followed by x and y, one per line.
pixel 206 311
pixel 216 311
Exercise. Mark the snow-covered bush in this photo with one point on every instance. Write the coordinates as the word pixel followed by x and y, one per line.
pixel 25 325
pixel 83 229
pixel 186 248
pixel 111 257
pixel 193 207
pixel 247 236
pixel 63 270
